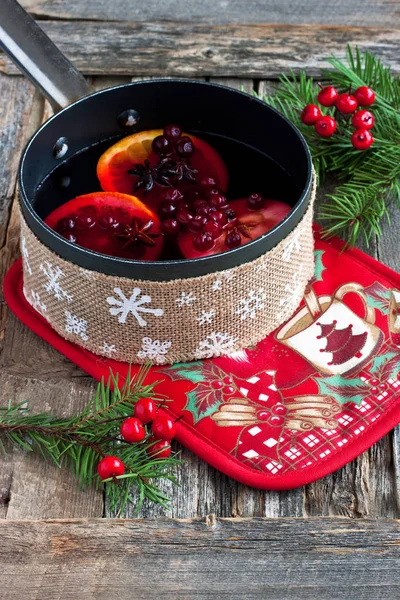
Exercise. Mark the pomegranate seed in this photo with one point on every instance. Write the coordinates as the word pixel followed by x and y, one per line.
pixel 161 145
pixel 185 147
pixel 233 239
pixel 255 201
pixel 170 227
pixel 203 242
pixel 213 228
pixel 166 210
pixel 172 132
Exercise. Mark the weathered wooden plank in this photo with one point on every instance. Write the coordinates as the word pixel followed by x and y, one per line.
pixel 206 559
pixel 239 83
pixel 187 49
pixel 297 12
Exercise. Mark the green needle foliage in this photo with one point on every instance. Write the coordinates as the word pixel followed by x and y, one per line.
pixel 82 440
pixel 368 181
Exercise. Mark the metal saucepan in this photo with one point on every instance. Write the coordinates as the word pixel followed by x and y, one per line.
pixel 95 120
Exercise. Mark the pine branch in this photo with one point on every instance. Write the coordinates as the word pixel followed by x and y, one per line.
pixel 82 440
pixel 370 179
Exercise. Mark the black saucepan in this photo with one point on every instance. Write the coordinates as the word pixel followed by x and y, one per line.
pixel 59 161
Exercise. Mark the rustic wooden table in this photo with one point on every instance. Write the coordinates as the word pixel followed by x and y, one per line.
pixel 192 553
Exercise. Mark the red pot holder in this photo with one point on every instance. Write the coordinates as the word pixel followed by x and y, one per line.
pixel 303 402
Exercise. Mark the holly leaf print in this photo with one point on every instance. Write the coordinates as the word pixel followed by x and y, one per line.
pixel 344 390
pixel 319 265
pixel 203 401
pixel 378 297
pixel 192 371
pixel 386 366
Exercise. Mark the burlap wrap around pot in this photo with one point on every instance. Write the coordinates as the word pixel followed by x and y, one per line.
pixel 166 322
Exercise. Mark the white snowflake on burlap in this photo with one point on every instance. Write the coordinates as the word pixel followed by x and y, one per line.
pixel 133 305
pixel 217 284
pixel 36 302
pixel 25 255
pixel 248 307
pixel 86 274
pixel 76 326
pixel 186 299
pixel 108 348
pixel 53 286
pixel 215 344
pixel 206 317
pixel 295 293
pixel 154 350
pixel 291 246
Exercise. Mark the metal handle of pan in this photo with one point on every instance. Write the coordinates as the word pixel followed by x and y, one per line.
pixel 38 58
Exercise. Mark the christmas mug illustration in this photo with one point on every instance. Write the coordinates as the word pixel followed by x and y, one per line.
pixel 394 316
pixel 329 335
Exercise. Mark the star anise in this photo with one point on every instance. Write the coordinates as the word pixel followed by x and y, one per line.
pixel 237 225
pixel 149 175
pixel 137 234
pixel 179 169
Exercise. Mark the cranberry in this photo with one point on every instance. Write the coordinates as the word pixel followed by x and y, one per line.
pixel 212 228
pixel 233 239
pixel 184 216
pixel 191 195
pixel 203 242
pixel 70 237
pixel 203 211
pixel 160 449
pixel 218 201
pixel 362 139
pixel 327 96
pixel 363 119
pixel 163 428
pixel 172 195
pixel 220 217
pixel 197 223
pixel 108 222
pixel 132 430
pixel 276 421
pixel 217 385
pixel 84 222
pixel 207 182
pixel 199 202
pixel 346 104
pixel 255 201
pixel 172 132
pixel 145 410
pixel 279 409
pixel 310 114
pixel 170 227
pixel 185 147
pixel 364 96
pixel 161 145
pixel 229 390
pixel 66 224
pixel 166 210
pixel 325 126
pixel 110 466
pixel 212 192
pixel 183 205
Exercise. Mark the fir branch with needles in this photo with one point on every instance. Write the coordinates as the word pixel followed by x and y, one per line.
pixel 369 181
pixel 82 440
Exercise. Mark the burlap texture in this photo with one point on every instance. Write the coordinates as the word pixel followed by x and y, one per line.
pixel 166 322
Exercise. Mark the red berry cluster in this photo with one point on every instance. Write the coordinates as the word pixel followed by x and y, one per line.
pixel 345 104
pixel 133 430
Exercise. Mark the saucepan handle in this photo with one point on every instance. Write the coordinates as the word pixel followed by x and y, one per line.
pixel 38 58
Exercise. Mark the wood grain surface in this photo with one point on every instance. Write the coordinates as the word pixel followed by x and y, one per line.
pixel 297 12
pixel 190 49
pixel 201 559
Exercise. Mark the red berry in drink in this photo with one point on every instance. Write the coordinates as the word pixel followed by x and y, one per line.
pixel 163 428
pixel 213 228
pixel 364 96
pixel 327 96
pixel 166 210
pixel 184 147
pixel 325 126
pixel 145 410
pixel 197 223
pixel 84 222
pixel 233 239
pixel 172 132
pixel 217 201
pixel 202 242
pixel 172 195
pixel 66 224
pixel 132 430
pixel 160 449
pixel 220 217
pixel 346 104
pixel 204 210
pixel 108 222
pixel 363 119
pixel 255 201
pixel 362 139
pixel 184 216
pixel 207 182
pixel 170 227
pixel 310 114
pixel 69 236
pixel 161 145
pixel 110 466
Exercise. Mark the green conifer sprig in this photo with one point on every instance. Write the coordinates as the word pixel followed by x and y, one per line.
pixel 369 181
pixel 82 440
